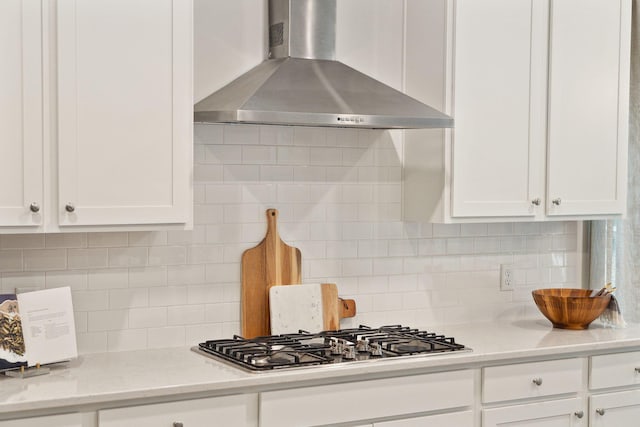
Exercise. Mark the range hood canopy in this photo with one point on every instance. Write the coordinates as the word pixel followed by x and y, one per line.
pixel 301 84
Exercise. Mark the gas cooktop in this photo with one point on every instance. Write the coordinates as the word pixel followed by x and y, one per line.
pixel 330 347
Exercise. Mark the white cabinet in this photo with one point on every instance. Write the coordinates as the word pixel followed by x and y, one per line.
pixel 124 111
pixel 556 413
pixel 240 411
pixel 116 92
pixel 521 78
pixel 82 419
pixel 367 400
pixel 21 113
pixel 615 409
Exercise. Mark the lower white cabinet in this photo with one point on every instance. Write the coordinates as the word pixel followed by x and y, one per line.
pixel 367 400
pixel 615 409
pixel 237 411
pixel 555 413
pixel 80 419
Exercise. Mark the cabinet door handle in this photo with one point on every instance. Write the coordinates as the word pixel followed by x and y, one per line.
pixel 536 201
pixel 600 411
pixel 69 207
pixel 557 201
pixel 34 207
pixel 637 370
pixel 537 381
pixel 177 424
pixel 579 414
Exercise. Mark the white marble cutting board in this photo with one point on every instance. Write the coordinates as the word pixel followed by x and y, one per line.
pixel 295 307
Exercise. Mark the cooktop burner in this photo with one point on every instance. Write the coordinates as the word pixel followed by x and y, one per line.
pixel 330 347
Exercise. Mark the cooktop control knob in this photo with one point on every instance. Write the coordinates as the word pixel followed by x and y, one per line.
pixel 363 346
pixel 337 345
pixel 349 352
pixel 375 349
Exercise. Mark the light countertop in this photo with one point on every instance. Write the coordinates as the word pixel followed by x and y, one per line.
pixel 112 379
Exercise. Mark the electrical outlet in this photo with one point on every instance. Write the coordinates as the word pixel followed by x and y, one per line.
pixel 506 277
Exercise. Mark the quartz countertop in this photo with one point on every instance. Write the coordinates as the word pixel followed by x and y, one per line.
pixel 112 379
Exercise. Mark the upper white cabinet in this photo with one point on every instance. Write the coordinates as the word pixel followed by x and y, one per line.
pixel 124 111
pixel 116 90
pixel 21 113
pixel 540 103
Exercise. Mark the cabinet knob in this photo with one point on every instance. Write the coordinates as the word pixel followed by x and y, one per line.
pixel 557 201
pixel 637 370
pixel 579 414
pixel 536 201
pixel 34 207
pixel 177 424
pixel 600 411
pixel 537 381
pixel 69 207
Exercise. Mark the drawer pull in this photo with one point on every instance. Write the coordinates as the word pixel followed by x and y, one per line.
pixel 600 411
pixel 579 414
pixel 637 370
pixel 177 424
pixel 537 381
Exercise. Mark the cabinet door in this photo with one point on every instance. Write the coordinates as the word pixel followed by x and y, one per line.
pixel 125 111
pixel 588 106
pixel 20 112
pixel 557 413
pixel 497 140
pixel 240 411
pixel 615 409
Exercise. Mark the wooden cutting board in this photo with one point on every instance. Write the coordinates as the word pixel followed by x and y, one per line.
pixel 271 262
pixel 310 307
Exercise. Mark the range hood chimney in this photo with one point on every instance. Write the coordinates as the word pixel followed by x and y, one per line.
pixel 302 84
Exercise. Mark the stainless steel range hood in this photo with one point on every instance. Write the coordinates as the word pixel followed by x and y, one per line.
pixel 301 84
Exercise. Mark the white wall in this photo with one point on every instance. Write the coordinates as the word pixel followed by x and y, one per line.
pixel 338 192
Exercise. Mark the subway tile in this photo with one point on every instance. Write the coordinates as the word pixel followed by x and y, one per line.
pixel 309 174
pixel 357 267
pixel 293 193
pixel 207 214
pixel 76 280
pixel 128 298
pixel 222 154
pixel 387 266
pixel 195 236
pixel 167 296
pixel 147 238
pixel 91 342
pixel 88 258
pixel 209 293
pixel 357 231
pixel 185 314
pixel 309 136
pixel 90 300
pixel 205 254
pixel 276 173
pixel 170 336
pixel 106 240
pixel 327 156
pixel 111 278
pixel 185 274
pixel 44 259
pixel 241 134
pixel 223 233
pixel 358 193
pixel 341 174
pixel 259 193
pixel 127 340
pixel 223 273
pixel 208 134
pixel 22 241
pixel 242 213
pixel 239 173
pixel 205 173
pixel 108 320
pixel 66 240
pixel 143 277
pixel 128 257
pixel 258 155
pixel 342 249
pixel 11 260
pixel 25 280
pixel 276 135
pixel 167 255
pixel 147 317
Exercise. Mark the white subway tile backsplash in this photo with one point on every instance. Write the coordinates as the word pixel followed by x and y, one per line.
pixel 339 193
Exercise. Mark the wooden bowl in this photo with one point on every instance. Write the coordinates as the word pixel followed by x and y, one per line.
pixel 570 308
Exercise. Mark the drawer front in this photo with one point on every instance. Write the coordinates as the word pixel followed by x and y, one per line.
pixel 85 419
pixel 524 380
pixel 614 370
pixel 458 419
pixel 234 411
pixel 365 400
